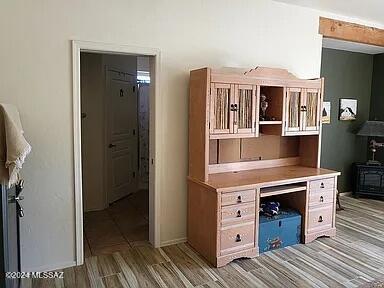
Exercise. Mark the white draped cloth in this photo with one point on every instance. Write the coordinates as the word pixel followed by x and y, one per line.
pixel 13 146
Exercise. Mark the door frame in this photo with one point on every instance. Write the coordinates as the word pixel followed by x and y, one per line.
pixel 154 182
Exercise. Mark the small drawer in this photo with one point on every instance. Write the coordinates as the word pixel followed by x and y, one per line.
pixel 237 213
pixel 237 197
pixel 322 184
pixel 321 197
pixel 320 218
pixel 236 238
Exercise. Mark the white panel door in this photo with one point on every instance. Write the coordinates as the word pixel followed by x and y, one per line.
pixel 122 140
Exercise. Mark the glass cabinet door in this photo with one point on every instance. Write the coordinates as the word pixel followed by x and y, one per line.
pixel 244 109
pixel 221 118
pixel 293 110
pixel 312 110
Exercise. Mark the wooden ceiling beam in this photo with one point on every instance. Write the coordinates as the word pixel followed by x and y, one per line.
pixel 347 31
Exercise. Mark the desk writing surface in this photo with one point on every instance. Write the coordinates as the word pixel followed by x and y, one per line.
pixel 267 176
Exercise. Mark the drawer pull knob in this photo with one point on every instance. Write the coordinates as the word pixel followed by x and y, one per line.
pixel 238 213
pixel 321 199
pixel 322 185
pixel 238 238
pixel 239 199
pixel 320 219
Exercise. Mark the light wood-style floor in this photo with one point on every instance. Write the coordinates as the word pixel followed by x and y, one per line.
pixel 353 258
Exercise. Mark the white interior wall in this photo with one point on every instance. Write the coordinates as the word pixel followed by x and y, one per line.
pixel 93 68
pixel 36 75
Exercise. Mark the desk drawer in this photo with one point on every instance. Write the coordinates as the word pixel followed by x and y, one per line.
pixel 237 213
pixel 238 237
pixel 322 184
pixel 237 197
pixel 320 218
pixel 321 197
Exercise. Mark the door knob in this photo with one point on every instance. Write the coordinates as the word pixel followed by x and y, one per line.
pixel 111 145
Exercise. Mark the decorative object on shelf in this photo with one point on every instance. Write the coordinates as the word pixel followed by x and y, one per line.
pixel 373 129
pixel 263 107
pixel 348 109
pixel 326 113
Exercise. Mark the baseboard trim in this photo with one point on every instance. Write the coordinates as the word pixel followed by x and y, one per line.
pixel 52 267
pixel 173 241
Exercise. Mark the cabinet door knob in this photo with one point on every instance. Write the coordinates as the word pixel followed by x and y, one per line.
pixel 238 238
pixel 239 199
pixel 320 219
pixel 238 213
pixel 321 199
pixel 322 185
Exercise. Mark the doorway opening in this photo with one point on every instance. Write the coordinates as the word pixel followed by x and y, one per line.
pixel 115 151
pixel 115 94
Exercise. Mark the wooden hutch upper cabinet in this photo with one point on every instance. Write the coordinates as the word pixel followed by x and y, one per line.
pixel 302 111
pixel 233 111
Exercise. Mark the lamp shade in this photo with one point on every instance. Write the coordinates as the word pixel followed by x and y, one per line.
pixel 372 129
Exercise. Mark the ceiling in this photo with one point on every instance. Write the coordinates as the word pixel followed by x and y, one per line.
pixel 371 10
pixel 352 46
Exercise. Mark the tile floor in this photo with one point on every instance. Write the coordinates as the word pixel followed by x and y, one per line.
pixel 122 225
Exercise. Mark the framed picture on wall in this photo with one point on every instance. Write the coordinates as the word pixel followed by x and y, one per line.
pixel 326 113
pixel 348 109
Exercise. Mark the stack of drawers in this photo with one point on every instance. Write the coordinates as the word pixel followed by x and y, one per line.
pixel 237 225
pixel 322 195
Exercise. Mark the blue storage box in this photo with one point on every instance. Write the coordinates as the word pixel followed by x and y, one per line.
pixel 279 231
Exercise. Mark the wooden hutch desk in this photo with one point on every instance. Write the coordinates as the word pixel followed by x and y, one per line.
pixel 235 159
